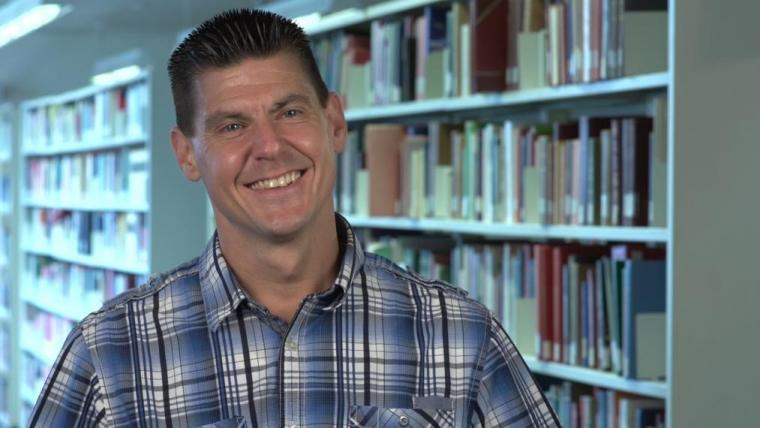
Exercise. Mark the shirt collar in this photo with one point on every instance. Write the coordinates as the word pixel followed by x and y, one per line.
pixel 222 293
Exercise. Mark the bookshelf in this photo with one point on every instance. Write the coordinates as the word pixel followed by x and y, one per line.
pixel 84 183
pixel 477 233
pixel 101 207
pixel 7 271
pixel 710 234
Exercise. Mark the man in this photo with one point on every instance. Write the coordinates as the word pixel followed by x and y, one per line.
pixel 283 320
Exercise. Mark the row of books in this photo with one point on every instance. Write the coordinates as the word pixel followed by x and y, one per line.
pixel 459 48
pixel 104 235
pixel 601 307
pixel 582 406
pixel 590 171
pixel 102 176
pixel 45 330
pixel 119 112
pixel 70 282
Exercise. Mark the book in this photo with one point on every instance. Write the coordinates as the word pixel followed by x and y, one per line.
pixel 382 143
pixel 644 306
pixel 489 22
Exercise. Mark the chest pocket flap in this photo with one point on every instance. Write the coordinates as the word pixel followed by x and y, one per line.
pixel 370 416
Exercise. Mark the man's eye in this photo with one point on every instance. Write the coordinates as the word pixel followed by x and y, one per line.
pixel 292 113
pixel 232 127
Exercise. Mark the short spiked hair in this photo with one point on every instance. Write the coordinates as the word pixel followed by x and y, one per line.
pixel 228 39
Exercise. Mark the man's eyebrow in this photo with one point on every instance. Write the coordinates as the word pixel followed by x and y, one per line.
pixel 220 116
pixel 288 99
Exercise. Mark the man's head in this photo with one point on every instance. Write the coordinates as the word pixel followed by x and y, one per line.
pixel 228 39
pixel 257 125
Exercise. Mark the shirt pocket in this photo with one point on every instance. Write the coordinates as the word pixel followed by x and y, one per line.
pixel 371 416
pixel 233 422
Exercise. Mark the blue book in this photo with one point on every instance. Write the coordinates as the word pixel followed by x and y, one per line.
pixel 644 295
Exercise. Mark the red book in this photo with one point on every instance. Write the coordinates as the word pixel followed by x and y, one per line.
pixel 489 22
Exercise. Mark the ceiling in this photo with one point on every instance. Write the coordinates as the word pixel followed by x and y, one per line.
pixel 26 64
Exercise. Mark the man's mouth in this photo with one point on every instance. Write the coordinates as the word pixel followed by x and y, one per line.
pixel 276 182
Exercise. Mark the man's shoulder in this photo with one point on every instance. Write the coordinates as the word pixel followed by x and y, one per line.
pixel 156 292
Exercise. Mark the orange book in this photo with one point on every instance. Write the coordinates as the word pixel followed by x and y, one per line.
pixel 382 145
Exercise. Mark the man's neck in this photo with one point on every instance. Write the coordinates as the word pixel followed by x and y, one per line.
pixel 281 275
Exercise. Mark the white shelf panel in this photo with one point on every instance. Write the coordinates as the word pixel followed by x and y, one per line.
pixel 520 231
pixel 597 378
pixel 29 393
pixel 100 205
pixel 42 350
pixel 517 98
pixel 81 147
pixel 96 262
pixel 59 305
pixel 353 16
pixel 82 93
pixel 5 314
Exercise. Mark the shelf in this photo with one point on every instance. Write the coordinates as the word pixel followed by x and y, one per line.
pixel 29 394
pixel 41 350
pixel 521 231
pixel 83 92
pixel 597 378
pixel 96 262
pixel 81 147
pixel 512 99
pixel 59 305
pixel 353 16
pixel 102 205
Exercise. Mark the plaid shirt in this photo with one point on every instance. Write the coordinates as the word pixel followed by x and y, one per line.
pixel 383 347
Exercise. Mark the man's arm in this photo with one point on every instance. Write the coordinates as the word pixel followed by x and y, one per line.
pixel 508 395
pixel 71 395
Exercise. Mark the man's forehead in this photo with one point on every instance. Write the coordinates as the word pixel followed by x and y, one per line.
pixel 268 76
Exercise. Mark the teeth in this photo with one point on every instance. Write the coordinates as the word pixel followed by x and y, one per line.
pixel 281 181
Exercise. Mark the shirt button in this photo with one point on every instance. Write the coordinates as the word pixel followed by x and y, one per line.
pixel 403 420
pixel 293 426
pixel 291 345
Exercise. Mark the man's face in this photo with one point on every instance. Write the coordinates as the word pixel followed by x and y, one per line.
pixel 264 147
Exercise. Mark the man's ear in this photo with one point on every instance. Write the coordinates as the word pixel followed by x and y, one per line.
pixel 337 122
pixel 185 154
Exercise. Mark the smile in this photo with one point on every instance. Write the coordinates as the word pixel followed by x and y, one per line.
pixel 276 182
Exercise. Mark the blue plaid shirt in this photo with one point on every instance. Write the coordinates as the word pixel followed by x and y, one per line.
pixel 383 347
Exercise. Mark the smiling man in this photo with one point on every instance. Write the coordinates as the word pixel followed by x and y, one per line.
pixel 283 320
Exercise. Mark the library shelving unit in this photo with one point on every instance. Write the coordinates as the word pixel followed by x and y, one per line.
pixel 7 237
pixel 102 206
pixel 708 240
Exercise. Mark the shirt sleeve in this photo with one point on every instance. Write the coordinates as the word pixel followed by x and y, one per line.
pixel 508 395
pixel 72 393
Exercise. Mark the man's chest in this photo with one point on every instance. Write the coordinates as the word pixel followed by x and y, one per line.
pixel 335 370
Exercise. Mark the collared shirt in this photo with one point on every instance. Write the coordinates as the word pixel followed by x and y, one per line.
pixel 382 347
